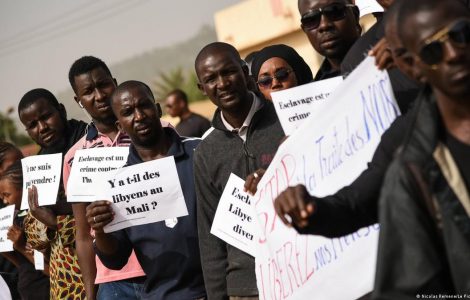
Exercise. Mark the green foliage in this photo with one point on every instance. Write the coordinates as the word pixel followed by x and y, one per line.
pixel 177 79
pixel 9 132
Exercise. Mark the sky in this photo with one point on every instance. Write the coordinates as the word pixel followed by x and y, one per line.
pixel 39 40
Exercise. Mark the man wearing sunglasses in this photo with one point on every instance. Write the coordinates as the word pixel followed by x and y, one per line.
pixel 332 27
pixel 424 245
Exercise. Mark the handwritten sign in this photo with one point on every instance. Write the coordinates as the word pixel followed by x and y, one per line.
pixel 86 176
pixel 326 153
pixel 293 106
pixel 368 7
pixel 38 260
pixel 145 193
pixel 6 221
pixel 233 221
pixel 43 171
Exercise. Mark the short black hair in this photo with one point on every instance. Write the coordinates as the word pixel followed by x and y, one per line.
pixel 84 65
pixel 214 47
pixel 131 83
pixel 180 94
pixel 6 147
pixel 14 173
pixel 34 95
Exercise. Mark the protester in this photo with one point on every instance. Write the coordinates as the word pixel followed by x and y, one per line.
pixel 425 206
pixel 32 284
pixel 191 124
pixel 355 205
pixel 279 67
pixel 45 120
pixel 93 85
pixel 169 255
pixel 332 27
pixel 245 137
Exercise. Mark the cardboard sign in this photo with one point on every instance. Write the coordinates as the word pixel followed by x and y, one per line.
pixel 43 171
pixel 293 106
pixel 326 153
pixel 145 193
pixel 233 221
pixel 86 176
pixel 6 221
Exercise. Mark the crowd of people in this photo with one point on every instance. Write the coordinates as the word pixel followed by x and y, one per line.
pixel 417 185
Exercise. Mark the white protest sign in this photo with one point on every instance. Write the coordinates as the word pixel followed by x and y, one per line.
pixel 6 221
pixel 294 105
pixel 38 260
pixel 145 193
pixel 234 218
pixel 368 7
pixel 326 153
pixel 86 177
pixel 4 290
pixel 43 171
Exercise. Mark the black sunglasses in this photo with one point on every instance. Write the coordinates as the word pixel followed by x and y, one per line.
pixel 458 33
pixel 280 75
pixel 334 12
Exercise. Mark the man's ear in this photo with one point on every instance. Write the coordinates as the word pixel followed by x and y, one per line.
pixel 413 69
pixel 201 88
pixel 76 100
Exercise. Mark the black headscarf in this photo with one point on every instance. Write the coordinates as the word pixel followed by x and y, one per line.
pixel 299 66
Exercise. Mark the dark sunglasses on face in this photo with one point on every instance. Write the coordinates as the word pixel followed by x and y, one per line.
pixel 458 33
pixel 280 75
pixel 334 12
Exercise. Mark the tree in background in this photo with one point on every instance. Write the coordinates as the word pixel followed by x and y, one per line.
pixel 9 132
pixel 177 79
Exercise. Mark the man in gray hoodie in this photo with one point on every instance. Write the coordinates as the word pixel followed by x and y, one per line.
pixel 245 137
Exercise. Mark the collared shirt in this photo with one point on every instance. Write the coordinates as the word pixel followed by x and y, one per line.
pixel 242 131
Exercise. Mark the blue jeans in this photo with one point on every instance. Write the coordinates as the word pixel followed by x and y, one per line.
pixel 122 290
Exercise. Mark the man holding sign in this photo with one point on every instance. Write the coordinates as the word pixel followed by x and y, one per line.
pixel 168 251
pixel 246 136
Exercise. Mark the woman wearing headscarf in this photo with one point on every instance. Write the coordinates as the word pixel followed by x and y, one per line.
pixel 279 67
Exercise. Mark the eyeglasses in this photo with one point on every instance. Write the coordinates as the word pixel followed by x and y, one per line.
pixel 334 12
pixel 458 33
pixel 280 75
